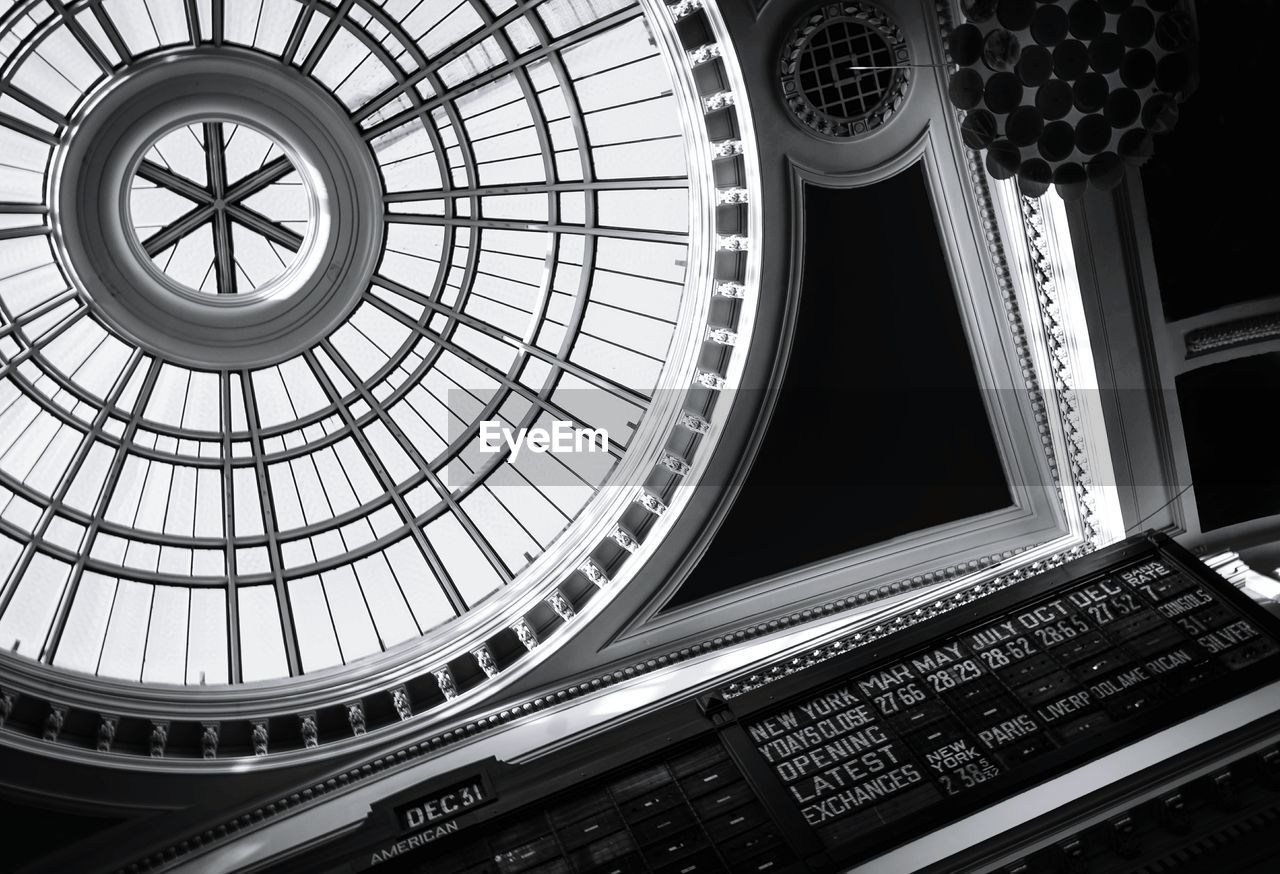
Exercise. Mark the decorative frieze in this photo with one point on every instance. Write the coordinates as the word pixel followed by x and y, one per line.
pixel 355 718
pixel 484 658
pixel 444 679
pixel 704 54
pixel 707 379
pixel 683 8
pixel 559 603
pixel 624 538
pixel 260 736
pixel 309 729
pixel 7 700
pixel 53 722
pixel 158 740
pixel 694 423
pixel 674 463
pixel 651 502
pixel 727 149
pixel 106 733
pixel 400 701
pixel 731 242
pixel 1240 332
pixel 525 634
pixel 594 573
pixel 209 740
pixel 731 196
pixel 734 290
pixel 718 101
pixel 722 336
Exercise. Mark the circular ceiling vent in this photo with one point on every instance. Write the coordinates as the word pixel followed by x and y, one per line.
pixel 272 276
pixel 845 70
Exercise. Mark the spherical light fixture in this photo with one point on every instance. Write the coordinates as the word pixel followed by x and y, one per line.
pixel 1069 92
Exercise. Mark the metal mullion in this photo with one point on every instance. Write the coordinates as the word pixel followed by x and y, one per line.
pixel 538 188
pixel 228 512
pixel 541 31
pixel 260 224
pixel 44 340
pixel 181 226
pixel 193 22
pixel 35 105
pixel 448 95
pixel 442 491
pixel 217 14
pixel 267 174
pixel 36 133
pixel 651 236
pixel 467 43
pixel 299 30
pixel 541 126
pixel 510 383
pixel 113 34
pixel 419 536
pixel 100 505
pixel 589 184
pixel 317 566
pixel 469 167
pixel 92 433
pixel 165 178
pixel 564 364
pixel 24 208
pixel 403 85
pixel 267 500
pixel 326 36
pixel 309 457
pixel 622 346
pixel 36 312
pixel 155 578
pixel 225 257
pixel 86 42
pixel 333 623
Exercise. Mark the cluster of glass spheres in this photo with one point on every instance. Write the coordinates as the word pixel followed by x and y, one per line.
pixel 1069 93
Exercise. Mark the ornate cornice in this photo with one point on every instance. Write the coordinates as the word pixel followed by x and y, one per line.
pixel 1044 272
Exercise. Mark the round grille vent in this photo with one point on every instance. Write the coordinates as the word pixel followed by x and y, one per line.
pixel 844 70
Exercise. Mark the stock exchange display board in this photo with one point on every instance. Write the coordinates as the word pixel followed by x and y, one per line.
pixel 1036 689
pixel 832 765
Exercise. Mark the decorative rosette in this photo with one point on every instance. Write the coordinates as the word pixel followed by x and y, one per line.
pixel 1069 92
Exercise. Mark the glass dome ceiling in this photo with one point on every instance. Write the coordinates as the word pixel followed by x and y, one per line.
pixel 178 517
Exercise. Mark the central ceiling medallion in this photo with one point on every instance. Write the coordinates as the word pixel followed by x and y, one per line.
pixel 217 208
pixel 220 208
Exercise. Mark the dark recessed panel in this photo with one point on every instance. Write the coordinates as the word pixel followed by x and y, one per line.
pixel 1203 189
pixel 32 832
pixel 880 428
pixel 1227 411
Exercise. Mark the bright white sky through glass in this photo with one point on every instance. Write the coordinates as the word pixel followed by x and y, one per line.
pixel 187 200
pixel 164 524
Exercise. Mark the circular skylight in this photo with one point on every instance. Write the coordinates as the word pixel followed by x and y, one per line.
pixel 201 226
pixel 267 267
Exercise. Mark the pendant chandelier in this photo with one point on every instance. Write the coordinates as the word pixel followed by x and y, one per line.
pixel 1069 93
